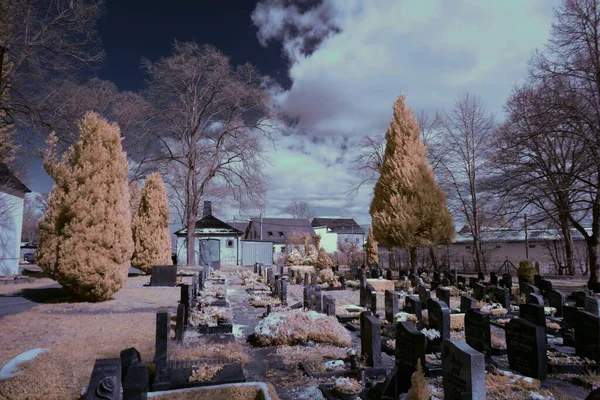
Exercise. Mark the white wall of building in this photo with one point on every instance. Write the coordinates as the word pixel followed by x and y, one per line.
pixel 228 254
pixel 329 240
pixel 11 224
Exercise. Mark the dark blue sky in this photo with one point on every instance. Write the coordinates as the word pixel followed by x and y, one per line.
pixel 132 29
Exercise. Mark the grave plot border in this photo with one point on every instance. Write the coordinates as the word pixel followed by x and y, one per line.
pixel 231 373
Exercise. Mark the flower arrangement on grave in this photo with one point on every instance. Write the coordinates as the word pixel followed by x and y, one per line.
pixel 208 316
pixel 433 359
pixel 431 334
pixel 494 309
pixel 497 338
pixel 349 309
pixel 552 325
pixel 347 385
pixel 292 327
pixel 558 358
pixel 204 372
pixel 403 316
pixel 259 302
pixel 549 311
pixel 353 284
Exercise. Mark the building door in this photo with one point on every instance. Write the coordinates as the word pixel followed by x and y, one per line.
pixel 210 253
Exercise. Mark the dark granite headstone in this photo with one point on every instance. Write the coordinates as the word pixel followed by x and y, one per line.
pixel 330 305
pixel 480 276
pixel 412 305
pixel 129 357
pixel 343 282
pixel 592 305
pixel 306 279
pixel 298 278
pixel 439 317
pixel 201 280
pixel 388 274
pixel 161 356
pixel 545 287
pixel 283 292
pixel 466 303
pixel 479 291
pixel 493 279
pixel 307 297
pixel 410 348
pixel 180 323
pixel 526 348
pixel 527 288
pixel 136 384
pixel 363 291
pixel 477 331
pixel 424 295
pixel 271 278
pixel 463 371
pixel 537 279
pixel 570 314
pixel 579 297
pixel 105 382
pixel 317 299
pixel 391 305
pixel 557 300
pixel 276 286
pixel 534 314
pixel 461 279
pixel 508 279
pixel 314 279
pixel 164 275
pixel 413 280
pixel 373 302
pixel 443 294
pixel 535 299
pixel 587 335
pixel 502 296
pixel 370 339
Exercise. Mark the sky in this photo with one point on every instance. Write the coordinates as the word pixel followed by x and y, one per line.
pixel 339 66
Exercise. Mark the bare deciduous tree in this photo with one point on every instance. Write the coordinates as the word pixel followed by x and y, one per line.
pixel 465 136
pixel 213 124
pixel 299 209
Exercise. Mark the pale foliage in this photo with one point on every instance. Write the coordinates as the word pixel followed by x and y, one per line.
pixel 85 235
pixel 419 389
pixel 294 258
pixel 372 252
pixel 323 259
pixel 151 236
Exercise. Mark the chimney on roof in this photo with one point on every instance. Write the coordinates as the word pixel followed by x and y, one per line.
pixel 207 209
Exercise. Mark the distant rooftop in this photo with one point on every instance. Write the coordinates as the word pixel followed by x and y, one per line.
pixel 338 225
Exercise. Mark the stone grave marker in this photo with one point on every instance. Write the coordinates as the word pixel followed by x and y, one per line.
pixel 587 335
pixel 463 371
pixel 557 300
pixel 472 282
pixel 388 274
pixel 412 305
pixel 163 275
pixel 306 278
pixel 314 279
pixel 370 339
pixel 298 278
pixel 413 280
pixel 579 297
pixel 466 303
pixel 443 294
pixel 330 305
pixel 343 282
pixel 373 302
pixel 201 280
pixel 105 382
pixel 570 314
pixel 480 276
pixel 453 277
pixel 276 286
pixel 493 279
pixel 479 291
pixel 363 291
pixel 527 288
pixel 439 317
pixel 271 278
pixel 436 276
pixel 256 268
pixel 502 296
pixel 410 348
pixel 424 295
pixel 533 313
pixel 161 355
pixel 477 331
pixel 508 279
pixel 391 305
pixel 545 287
pixel 537 279
pixel 592 305
pixel 526 348
pixel 129 357
pixel 283 292
pixel 307 297
pixel 535 299
pixel 461 279
pixel 136 384
pixel 180 323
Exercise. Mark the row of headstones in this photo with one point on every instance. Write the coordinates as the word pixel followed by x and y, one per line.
pixel 314 300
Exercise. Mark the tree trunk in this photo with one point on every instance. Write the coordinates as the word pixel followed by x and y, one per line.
pixel 592 246
pixel 568 239
pixel 391 261
pixel 413 260
pixel 191 248
pixel 477 252
pixel 433 258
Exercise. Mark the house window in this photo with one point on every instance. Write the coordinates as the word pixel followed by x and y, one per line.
pixel 283 249
pixel 280 234
pixel 229 243
pixel 270 234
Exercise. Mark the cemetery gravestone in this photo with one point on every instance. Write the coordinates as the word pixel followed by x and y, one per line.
pixel 314 279
pixel 391 305
pixel 443 294
pixel 477 331
pixel 533 313
pixel 545 287
pixel 105 382
pixel 136 385
pixel 412 305
pixel 446 282
pixel 318 299
pixel 472 282
pixel 502 296
pixel 424 295
pixel 330 305
pixel 537 280
pixel 388 274
pixel 306 278
pixel 363 291
pixel 479 291
pixel 283 292
pixel 343 282
pixel 526 348
pixel 463 371
pixel 508 279
pixel 307 297
pixel 587 335
pixel 579 296
pixel 180 323
pixel 535 299
pixel 298 278
pixel 461 279
pixel 557 300
pixel 161 356
pixel 410 348
pixel 163 275
pixel 439 318
pixel 480 276
pixel 493 279
pixel 527 288
pixel 467 303
pixel 373 302
pixel 129 357
pixel 370 339
pixel 592 305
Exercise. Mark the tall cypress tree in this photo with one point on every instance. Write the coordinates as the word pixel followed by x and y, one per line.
pixel 85 236
pixel 372 252
pixel 408 208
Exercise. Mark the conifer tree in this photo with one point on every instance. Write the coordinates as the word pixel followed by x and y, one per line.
pixel 85 236
pixel 408 208
pixel 372 251
pixel 151 236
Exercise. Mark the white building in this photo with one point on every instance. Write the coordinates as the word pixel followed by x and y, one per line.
pixel 338 231
pixel 12 199
pixel 279 231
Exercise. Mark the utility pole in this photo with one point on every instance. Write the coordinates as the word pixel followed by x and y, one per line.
pixel 260 226
pixel 526 240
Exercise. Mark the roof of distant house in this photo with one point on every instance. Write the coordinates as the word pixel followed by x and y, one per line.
pixel 211 225
pixel 278 230
pixel 239 225
pixel 339 225
pixel 9 180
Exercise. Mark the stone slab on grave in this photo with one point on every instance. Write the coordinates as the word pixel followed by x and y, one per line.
pixel 463 371
pixel 526 348
pixel 105 381
pixel 163 275
pixel 231 373
pixel 477 331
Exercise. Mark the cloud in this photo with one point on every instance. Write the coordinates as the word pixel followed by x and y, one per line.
pixel 350 59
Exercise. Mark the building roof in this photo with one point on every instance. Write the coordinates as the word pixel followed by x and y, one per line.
pixel 279 228
pixel 211 225
pixel 239 225
pixel 339 225
pixel 9 180
pixel 505 235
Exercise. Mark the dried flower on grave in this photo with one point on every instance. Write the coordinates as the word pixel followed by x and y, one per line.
pixel 297 327
pixel 454 291
pixel 425 318
pixel 494 309
pixel 353 284
pixel 326 275
pixel 457 322
pixel 508 383
pixel 419 389
pixel 552 325
pixel 204 372
pixel 150 227
pixel 347 385
pixel 498 339
pixel 404 316
pixel 349 309
pixel 261 302
pixel 85 236
pixel 229 353
pixel 402 285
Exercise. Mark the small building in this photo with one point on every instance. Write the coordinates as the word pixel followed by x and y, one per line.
pixel 12 200
pixel 338 231
pixel 279 231
pixel 216 241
